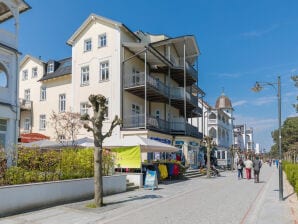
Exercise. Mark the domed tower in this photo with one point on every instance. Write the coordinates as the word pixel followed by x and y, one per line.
pixel 224 103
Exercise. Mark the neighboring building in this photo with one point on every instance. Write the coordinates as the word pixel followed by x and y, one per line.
pixel 44 88
pixel 258 149
pixel 217 123
pixel 243 138
pixel 9 54
pixel 150 81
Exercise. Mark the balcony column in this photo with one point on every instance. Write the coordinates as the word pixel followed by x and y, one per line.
pixel 145 108
pixel 184 71
pixel 169 84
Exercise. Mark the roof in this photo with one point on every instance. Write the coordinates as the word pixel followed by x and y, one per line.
pixel 29 57
pixel 223 102
pixel 5 12
pixel 93 17
pixel 191 46
pixel 64 68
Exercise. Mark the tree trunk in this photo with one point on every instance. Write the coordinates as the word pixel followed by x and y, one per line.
pixel 208 160
pixel 98 192
pixel 232 162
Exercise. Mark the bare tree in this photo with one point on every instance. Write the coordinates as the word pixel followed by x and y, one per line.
pixel 66 124
pixel 98 103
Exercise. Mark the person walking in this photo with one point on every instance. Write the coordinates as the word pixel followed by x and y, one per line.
pixel 240 165
pixel 257 164
pixel 248 166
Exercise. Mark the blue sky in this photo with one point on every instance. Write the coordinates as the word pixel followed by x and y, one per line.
pixel 241 42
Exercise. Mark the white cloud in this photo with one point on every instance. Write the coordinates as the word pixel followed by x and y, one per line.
pixel 259 33
pixel 239 103
pixel 264 100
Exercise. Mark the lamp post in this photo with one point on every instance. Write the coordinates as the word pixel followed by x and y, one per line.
pixel 257 88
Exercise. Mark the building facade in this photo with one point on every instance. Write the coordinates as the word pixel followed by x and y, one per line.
pixel 9 63
pixel 150 82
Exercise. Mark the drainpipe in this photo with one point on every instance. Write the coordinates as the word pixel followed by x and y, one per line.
pixel 184 68
pixel 145 90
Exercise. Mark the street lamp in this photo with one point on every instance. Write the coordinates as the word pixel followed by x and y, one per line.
pixel 257 88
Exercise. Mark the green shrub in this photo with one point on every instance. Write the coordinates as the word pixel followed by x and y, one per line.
pixel 291 171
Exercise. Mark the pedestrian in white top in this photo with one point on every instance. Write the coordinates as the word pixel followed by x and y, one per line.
pixel 248 166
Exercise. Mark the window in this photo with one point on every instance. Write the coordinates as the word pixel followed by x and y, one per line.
pixel 62 102
pixel 104 71
pixel 34 72
pixel 27 124
pixel 85 75
pixel 135 109
pixel 135 77
pixel 3 76
pixel 3 125
pixel 61 138
pixel 102 40
pixel 25 74
pixel 135 118
pixel 43 93
pixel 84 108
pixel 87 45
pixel 212 116
pixel 157 114
pixel 218 155
pixel 42 122
pixel 50 67
pixel 27 94
pixel 3 129
pixel 223 155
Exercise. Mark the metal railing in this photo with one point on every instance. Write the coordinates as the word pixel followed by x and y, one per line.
pixel 176 127
pixel 178 94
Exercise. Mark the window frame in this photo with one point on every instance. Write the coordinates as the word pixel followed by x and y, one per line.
pixel 85 74
pixel 27 94
pixel 87 45
pixel 42 122
pixel 104 72
pixel 27 124
pixel 25 74
pixel 34 73
pixel 43 93
pixel 84 110
pixel 62 103
pixel 102 40
pixel 50 68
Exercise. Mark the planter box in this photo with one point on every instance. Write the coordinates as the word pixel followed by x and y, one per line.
pixel 25 197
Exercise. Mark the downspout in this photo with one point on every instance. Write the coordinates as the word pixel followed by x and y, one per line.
pixel 145 113
pixel 184 68
pixel 169 91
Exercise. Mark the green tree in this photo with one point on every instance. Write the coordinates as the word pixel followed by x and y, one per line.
pixel 98 103
pixel 289 135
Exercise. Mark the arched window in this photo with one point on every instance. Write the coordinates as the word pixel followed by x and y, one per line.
pixel 212 116
pixel 212 133
pixel 3 76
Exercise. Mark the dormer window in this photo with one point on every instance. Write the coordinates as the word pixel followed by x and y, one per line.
pixel 87 45
pixel 50 68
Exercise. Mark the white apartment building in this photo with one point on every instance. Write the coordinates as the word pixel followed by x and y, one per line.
pixel 217 122
pixel 9 64
pixel 150 81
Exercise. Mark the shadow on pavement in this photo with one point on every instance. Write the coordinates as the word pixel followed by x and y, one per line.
pixel 133 198
pixel 288 195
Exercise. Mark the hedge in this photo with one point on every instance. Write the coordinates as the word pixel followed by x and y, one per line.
pixel 291 171
pixel 34 165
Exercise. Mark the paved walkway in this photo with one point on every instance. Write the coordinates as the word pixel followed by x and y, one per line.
pixel 200 200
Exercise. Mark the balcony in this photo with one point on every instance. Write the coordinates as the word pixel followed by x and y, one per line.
pixel 8 39
pixel 156 90
pixel 160 125
pixel 25 105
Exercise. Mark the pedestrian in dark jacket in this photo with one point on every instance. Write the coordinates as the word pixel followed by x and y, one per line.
pixel 240 165
pixel 257 164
